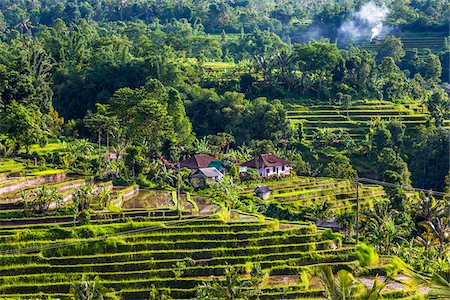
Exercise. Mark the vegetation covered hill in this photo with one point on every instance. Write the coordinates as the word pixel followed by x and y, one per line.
pixel 46 246
pixel 100 101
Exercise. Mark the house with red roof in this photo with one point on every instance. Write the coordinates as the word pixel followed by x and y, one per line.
pixel 202 161
pixel 269 165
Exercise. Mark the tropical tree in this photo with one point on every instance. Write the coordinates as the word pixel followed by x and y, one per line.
pixel 340 167
pixel 440 228
pixel 341 287
pixel 438 283
pixel 439 106
pixel 42 199
pixel 103 196
pixel 23 125
pixel 428 208
pixel 83 196
pixel 227 191
pixel 102 121
pixel 320 212
pixel 381 228
pixel 222 139
pixel 91 290
pixel 233 287
pixel 55 197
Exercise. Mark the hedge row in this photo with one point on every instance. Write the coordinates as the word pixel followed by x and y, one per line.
pixel 114 246
pixel 165 269
pixel 118 258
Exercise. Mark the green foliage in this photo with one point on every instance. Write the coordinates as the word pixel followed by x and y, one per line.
pixel 367 256
pixel 392 168
pixel 439 106
pixel 232 287
pixel 391 47
pixel 85 290
pixel 340 167
pixel 23 125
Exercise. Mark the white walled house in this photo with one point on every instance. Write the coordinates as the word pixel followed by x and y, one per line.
pixel 269 165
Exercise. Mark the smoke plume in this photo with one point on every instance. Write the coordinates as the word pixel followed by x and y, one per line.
pixel 367 22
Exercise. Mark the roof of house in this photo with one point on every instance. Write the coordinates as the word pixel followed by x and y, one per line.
pixel 208 173
pixel 197 161
pixel 265 160
pixel 218 164
pixel 328 224
pixel 262 189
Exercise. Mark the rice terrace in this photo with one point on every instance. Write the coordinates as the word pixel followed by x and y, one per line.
pixel 224 149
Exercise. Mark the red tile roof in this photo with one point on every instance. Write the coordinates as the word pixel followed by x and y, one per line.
pixel 266 160
pixel 197 161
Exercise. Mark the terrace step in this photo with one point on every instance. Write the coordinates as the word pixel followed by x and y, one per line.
pixel 16 184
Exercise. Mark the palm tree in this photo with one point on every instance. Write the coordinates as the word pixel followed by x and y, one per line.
pixel 81 147
pixel 202 146
pixel 91 290
pixel 232 287
pixel 320 212
pixel 54 197
pixel 82 197
pixel 158 295
pixel 103 196
pixel 439 284
pixel 227 190
pixel 440 228
pixel 42 201
pixel 341 287
pixel 285 66
pixel 382 231
pixel 344 286
pixel 24 23
pixel 374 292
pixel 428 208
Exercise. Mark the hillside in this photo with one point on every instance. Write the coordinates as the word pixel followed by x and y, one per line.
pixel 137 250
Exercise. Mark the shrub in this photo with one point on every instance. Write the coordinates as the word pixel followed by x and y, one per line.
pixel 84 217
pixel 366 254
pixel 334 236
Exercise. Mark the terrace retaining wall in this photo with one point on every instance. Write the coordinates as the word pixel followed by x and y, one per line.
pixel 32 181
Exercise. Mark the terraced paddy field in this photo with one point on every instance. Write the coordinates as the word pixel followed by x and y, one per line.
pixel 434 41
pixel 356 119
pixel 143 242
pixel 296 193
pixel 177 255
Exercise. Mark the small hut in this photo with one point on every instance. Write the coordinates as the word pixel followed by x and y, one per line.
pixel 263 192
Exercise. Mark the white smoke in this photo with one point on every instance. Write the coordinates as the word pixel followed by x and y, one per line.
pixel 366 22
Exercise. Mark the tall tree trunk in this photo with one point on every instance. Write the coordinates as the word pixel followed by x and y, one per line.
pixel 99 141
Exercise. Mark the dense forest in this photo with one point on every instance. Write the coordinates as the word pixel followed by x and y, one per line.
pixel 171 72
pixel 117 92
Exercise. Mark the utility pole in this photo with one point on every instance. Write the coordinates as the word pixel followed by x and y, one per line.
pixel 357 210
pixel 179 192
